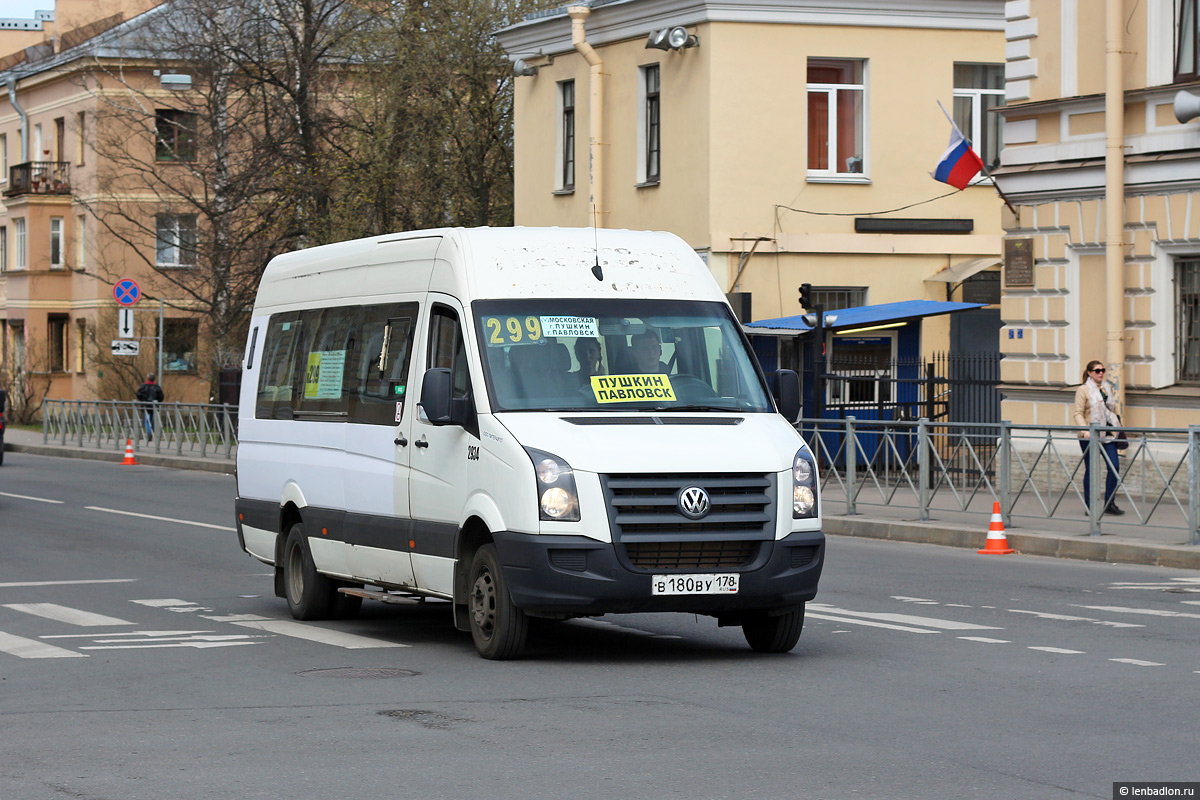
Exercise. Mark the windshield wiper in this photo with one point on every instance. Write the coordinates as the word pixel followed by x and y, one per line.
pixel 657 409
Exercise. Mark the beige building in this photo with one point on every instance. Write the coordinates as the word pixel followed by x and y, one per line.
pixel 58 264
pixel 1106 249
pixel 788 143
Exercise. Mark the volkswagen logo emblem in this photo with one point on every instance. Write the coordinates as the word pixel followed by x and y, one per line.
pixel 694 502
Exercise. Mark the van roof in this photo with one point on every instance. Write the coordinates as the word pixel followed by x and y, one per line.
pixel 503 263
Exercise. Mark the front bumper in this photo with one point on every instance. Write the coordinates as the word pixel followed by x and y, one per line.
pixel 598 582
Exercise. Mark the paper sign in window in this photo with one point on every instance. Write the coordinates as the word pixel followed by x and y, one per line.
pixel 632 388
pixel 323 379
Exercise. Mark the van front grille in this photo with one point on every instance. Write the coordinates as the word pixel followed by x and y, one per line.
pixel 691 555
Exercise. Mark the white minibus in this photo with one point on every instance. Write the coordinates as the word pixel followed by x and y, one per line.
pixel 527 423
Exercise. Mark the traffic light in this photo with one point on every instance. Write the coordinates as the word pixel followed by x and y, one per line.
pixel 806 296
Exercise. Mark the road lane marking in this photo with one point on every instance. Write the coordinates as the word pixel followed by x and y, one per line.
pixel 1153 612
pixel 906 619
pixel 985 640
pixel 35 499
pixel 150 646
pixel 120 633
pixel 923 601
pixel 867 622
pixel 29 648
pixel 1069 618
pixel 18 584
pixel 1137 662
pixel 161 519
pixel 297 630
pixel 1060 650
pixel 73 616
pixel 171 604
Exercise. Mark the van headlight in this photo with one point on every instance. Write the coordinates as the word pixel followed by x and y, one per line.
pixel 558 500
pixel 804 485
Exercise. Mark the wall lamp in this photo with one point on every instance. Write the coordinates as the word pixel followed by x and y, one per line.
pixel 528 67
pixel 676 38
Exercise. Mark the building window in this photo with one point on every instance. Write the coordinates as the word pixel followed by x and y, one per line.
pixel 1187 42
pixel 176 135
pixel 3 248
pixel 175 240
pixel 3 158
pixel 20 255
pixel 179 345
pixel 57 325
pixel 650 127
pixel 834 297
pixel 56 243
pixel 978 88
pixel 836 103
pixel 1187 334
pixel 566 137
pixel 80 240
pixel 80 137
pixel 80 341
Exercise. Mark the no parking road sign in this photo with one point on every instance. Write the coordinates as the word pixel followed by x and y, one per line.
pixel 127 292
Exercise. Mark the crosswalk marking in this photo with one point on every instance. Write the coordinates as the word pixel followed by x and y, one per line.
pixel 1137 662
pixel 1060 650
pixel 154 646
pixel 298 630
pixel 906 619
pixel 1069 618
pixel 16 584
pixel 74 616
pixel 866 622
pixel 1153 612
pixel 29 648
pixel 985 640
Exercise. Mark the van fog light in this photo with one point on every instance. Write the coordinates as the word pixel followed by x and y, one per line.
pixel 556 502
pixel 802 500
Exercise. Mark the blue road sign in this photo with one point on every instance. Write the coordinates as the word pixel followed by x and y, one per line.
pixel 127 292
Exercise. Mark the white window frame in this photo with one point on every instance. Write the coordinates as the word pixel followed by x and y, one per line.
pixel 20 251
pixel 3 248
pixel 832 90
pixel 564 150
pixel 643 126
pixel 176 247
pixel 975 134
pixel 3 158
pixel 80 240
pixel 56 243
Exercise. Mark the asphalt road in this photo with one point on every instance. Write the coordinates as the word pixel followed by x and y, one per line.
pixel 146 657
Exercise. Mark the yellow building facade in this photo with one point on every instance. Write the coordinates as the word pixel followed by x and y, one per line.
pixel 788 143
pixel 1102 265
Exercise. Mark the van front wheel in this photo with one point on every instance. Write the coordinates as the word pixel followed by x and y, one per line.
pixel 774 634
pixel 310 595
pixel 498 627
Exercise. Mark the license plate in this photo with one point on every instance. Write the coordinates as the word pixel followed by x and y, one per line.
pixel 726 583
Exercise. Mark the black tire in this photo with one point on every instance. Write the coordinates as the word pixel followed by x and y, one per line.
pixel 498 627
pixel 310 595
pixel 774 634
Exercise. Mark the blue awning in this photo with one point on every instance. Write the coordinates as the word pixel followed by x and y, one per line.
pixel 863 316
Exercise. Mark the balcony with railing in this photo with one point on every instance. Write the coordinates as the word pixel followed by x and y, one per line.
pixel 39 177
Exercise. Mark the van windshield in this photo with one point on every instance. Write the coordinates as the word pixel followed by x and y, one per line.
pixel 616 355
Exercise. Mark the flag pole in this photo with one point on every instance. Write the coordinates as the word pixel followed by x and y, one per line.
pixel 984 169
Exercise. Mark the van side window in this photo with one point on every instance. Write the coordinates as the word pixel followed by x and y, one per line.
pixel 327 341
pixel 276 379
pixel 377 380
pixel 446 349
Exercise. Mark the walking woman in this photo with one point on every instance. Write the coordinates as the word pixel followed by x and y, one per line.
pixel 1096 404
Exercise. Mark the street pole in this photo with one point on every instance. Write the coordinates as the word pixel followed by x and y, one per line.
pixel 819 362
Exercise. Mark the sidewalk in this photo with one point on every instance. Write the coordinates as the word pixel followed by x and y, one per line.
pixel 1128 544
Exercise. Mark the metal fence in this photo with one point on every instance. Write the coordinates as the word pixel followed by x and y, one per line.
pixel 1034 471
pixel 202 429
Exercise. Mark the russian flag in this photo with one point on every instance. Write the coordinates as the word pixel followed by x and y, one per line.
pixel 959 164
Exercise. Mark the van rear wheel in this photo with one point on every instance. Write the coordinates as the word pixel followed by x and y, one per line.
pixel 310 595
pixel 774 634
pixel 498 627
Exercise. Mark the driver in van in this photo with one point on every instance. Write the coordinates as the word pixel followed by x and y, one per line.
pixel 647 348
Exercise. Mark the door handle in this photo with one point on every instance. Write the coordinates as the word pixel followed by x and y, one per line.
pixel 421 443
pixel 400 440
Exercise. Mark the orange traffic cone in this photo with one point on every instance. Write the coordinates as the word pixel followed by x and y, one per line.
pixel 997 542
pixel 129 459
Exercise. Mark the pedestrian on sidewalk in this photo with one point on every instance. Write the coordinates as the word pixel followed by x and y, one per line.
pixel 148 394
pixel 1096 404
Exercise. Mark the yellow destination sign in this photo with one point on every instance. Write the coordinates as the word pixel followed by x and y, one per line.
pixel 628 388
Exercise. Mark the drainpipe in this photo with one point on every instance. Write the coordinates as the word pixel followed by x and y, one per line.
pixel 12 100
pixel 1114 199
pixel 595 111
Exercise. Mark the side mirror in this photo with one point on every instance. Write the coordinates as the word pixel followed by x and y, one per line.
pixel 787 394
pixel 436 393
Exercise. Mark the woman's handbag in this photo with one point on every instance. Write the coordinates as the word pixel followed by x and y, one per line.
pixel 1121 440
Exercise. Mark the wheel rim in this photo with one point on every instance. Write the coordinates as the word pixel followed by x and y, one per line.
pixel 295 575
pixel 483 603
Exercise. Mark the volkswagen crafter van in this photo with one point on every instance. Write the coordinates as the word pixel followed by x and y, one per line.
pixel 525 422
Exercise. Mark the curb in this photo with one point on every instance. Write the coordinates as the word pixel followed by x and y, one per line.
pixel 144 459
pixel 1085 548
